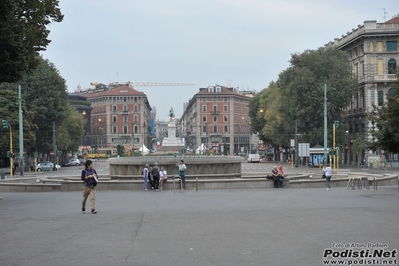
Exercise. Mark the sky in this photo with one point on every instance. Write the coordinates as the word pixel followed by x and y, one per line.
pixel 235 43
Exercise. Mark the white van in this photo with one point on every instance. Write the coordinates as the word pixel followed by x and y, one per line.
pixel 253 158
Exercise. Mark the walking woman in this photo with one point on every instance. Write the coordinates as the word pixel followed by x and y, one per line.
pixel 89 177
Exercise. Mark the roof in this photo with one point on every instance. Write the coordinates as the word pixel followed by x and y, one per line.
pixel 118 91
pixel 223 91
pixel 393 20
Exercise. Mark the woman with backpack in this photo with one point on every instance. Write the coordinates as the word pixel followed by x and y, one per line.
pixel 89 177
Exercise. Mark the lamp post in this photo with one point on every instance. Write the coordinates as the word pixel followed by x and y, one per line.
pixel 133 125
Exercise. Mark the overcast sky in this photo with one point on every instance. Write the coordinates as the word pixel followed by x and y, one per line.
pixel 240 43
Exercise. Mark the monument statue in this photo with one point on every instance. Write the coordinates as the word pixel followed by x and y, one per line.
pixel 171 113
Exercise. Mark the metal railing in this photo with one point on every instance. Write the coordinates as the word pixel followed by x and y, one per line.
pixel 178 178
pixel 363 182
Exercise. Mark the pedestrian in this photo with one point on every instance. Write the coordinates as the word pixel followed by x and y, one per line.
pixel 163 176
pixel 281 175
pixel 145 174
pixel 275 176
pixel 327 172
pixel 182 173
pixel 155 176
pixel 89 177
pixel 150 178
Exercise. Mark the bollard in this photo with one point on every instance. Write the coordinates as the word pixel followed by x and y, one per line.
pixel 375 183
pixel 359 183
pixel 196 184
pixel 3 175
pixel 367 183
pixel 398 182
pixel 353 183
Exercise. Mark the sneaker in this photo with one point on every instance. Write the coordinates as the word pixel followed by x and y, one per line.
pixel 327 189
pixel 93 211
pixel 83 210
pixel 152 188
pixel 161 188
pixel 145 189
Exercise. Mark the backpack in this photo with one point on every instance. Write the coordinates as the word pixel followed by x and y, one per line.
pixel 155 171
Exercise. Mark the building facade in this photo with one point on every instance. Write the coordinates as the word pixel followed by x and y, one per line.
pixel 372 49
pixel 217 117
pixel 120 115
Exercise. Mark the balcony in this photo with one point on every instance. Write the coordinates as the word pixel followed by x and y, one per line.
pixel 214 112
pixel 386 77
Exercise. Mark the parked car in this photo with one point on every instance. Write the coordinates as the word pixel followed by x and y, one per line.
pixel 253 158
pixel 46 166
pixel 73 162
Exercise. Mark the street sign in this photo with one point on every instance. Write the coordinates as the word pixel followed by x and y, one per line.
pixel 292 142
pixel 303 149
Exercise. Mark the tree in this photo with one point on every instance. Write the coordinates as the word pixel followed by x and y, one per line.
pixel 23 34
pixel 359 146
pixel 44 93
pixel 9 111
pixel 71 131
pixel 387 124
pixel 302 94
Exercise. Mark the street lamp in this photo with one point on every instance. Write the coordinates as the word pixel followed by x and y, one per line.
pixel 133 125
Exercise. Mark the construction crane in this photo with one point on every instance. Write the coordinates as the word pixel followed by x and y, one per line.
pixel 147 84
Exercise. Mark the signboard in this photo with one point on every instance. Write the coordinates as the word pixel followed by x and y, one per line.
pixel 292 142
pixel 303 149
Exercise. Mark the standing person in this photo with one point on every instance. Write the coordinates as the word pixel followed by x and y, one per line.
pixel 150 178
pixel 281 175
pixel 275 176
pixel 89 176
pixel 327 172
pixel 145 176
pixel 182 173
pixel 163 176
pixel 155 176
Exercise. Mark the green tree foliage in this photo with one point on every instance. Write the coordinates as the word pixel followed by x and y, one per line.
pixel 71 131
pixel 387 124
pixel 301 88
pixel 44 93
pixel 9 111
pixel 23 33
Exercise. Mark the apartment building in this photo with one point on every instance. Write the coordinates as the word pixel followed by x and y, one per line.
pixel 373 53
pixel 217 117
pixel 120 115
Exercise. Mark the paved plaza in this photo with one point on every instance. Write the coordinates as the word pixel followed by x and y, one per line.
pixel 208 227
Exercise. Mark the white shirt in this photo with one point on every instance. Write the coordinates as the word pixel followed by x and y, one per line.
pixel 162 174
pixel 182 167
pixel 327 171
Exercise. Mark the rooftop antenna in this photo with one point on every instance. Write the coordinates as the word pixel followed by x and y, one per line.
pixel 385 15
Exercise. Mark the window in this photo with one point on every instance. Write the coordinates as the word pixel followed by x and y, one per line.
pixel 114 118
pixel 371 47
pixel 204 118
pixel 204 129
pixel 380 98
pixel 204 108
pixel 114 108
pixel 135 119
pixel 135 99
pixel 392 66
pixel 214 99
pixel 125 130
pixel 225 118
pixel 225 99
pixel 135 129
pixel 135 108
pixel 379 46
pixel 215 118
pixel 215 109
pixel 392 46
pixel 356 70
pixel 226 129
pixel 215 129
pixel 225 108
pixel 380 67
pixel 125 118
pixel 125 108
pixel 124 99
pixel 361 69
pixel 114 130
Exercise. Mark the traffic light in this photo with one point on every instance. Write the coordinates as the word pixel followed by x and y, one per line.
pixel 336 123
pixel 4 123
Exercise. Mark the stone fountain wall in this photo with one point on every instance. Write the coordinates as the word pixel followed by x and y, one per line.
pixel 197 166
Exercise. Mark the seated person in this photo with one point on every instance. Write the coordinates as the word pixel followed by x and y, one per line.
pixel 274 176
pixel 163 176
pixel 281 175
